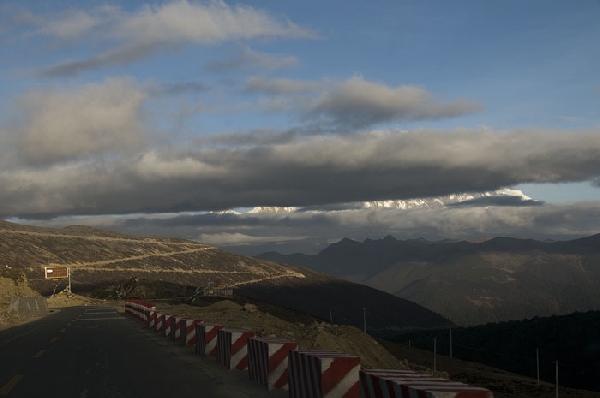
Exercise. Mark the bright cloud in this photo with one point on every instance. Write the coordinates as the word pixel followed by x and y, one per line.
pixel 152 29
pixel 205 23
pixel 93 120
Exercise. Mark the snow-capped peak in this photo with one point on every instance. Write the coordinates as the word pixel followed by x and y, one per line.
pixel 424 203
pixel 272 209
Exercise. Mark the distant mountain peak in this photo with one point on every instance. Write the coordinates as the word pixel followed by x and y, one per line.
pixel 415 203
pixel 272 209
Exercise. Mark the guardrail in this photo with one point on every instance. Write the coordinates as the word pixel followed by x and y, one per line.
pixel 280 364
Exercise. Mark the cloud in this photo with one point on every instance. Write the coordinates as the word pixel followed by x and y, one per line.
pixel 119 57
pixel 356 103
pixel 227 239
pixel 249 59
pixel 280 86
pixel 14 19
pixel 563 221
pixel 93 120
pixel 260 137
pixel 207 23
pixel 300 171
pixel 511 201
pixel 154 29
pixel 310 232
pixel 179 88
pixel 72 24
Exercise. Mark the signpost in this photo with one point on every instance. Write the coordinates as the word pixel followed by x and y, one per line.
pixel 58 273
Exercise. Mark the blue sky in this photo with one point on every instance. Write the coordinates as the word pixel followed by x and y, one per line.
pixel 184 107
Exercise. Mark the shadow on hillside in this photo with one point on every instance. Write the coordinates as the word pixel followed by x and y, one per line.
pixel 345 303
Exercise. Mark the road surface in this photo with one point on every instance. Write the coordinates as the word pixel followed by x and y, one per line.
pixel 98 352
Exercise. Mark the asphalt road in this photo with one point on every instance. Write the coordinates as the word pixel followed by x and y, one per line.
pixel 89 352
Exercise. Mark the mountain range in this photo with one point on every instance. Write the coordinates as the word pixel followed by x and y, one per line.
pixel 102 260
pixel 470 282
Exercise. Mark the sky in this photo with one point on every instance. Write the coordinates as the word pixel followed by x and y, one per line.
pixel 158 118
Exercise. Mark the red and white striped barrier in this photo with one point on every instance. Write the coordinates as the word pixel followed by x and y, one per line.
pixel 277 363
pixel 232 351
pixel 176 328
pixel 152 319
pixel 390 383
pixel 160 321
pixel 138 308
pixel 168 325
pixel 323 374
pixel 268 361
pixel 188 329
pixel 206 339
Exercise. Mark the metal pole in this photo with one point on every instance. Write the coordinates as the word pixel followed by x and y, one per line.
pixel 537 361
pixel 434 354
pixel 69 273
pixel 556 379
pixel 330 317
pixel 408 343
pixel 365 319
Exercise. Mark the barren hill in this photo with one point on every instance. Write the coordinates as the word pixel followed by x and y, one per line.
pixel 100 259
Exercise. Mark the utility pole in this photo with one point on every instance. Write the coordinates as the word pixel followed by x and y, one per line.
pixel 537 361
pixel 69 274
pixel 330 317
pixel 434 354
pixel 450 343
pixel 556 379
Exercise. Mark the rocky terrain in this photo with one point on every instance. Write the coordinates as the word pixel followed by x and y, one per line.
pixel 12 284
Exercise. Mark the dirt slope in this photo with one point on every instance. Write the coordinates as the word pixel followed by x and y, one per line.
pixel 12 285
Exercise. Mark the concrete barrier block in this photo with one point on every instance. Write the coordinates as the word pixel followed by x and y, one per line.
pixel 268 361
pixel 392 383
pixel 28 307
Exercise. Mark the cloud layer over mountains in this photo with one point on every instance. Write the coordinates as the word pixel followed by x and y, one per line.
pixel 112 167
pixel 90 132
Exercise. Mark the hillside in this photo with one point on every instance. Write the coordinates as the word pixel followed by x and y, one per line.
pixel 572 340
pixel 470 283
pixel 100 259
